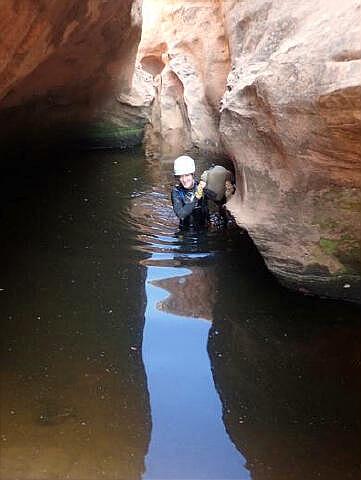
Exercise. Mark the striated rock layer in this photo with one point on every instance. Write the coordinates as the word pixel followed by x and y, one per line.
pixel 67 63
pixel 291 120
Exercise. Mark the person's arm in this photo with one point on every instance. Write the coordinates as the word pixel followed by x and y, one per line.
pixel 182 210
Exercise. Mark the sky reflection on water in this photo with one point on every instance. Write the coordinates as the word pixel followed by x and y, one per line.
pixel 188 439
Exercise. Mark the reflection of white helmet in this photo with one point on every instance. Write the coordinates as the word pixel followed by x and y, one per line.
pixel 184 165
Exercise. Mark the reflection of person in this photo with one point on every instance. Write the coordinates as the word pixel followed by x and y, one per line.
pixel 188 199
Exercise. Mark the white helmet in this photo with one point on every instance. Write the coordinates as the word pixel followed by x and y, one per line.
pixel 184 165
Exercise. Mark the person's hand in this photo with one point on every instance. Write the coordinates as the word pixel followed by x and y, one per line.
pixel 202 183
pixel 199 191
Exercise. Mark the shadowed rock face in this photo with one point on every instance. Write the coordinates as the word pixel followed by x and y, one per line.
pixel 291 122
pixel 66 63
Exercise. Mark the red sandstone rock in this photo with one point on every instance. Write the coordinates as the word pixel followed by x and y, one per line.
pixel 183 44
pixel 291 120
pixel 290 114
pixel 66 61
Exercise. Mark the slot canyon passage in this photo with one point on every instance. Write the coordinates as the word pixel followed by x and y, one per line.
pixel 129 349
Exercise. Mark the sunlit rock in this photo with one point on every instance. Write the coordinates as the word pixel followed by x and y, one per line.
pixel 137 101
pixel 183 46
pixel 291 121
pixel 274 85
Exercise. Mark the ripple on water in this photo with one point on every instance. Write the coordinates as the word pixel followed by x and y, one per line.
pixel 152 228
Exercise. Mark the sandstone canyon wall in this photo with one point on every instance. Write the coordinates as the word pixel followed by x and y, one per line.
pixel 274 85
pixel 64 64
pixel 288 115
pixel 184 47
pixel 291 120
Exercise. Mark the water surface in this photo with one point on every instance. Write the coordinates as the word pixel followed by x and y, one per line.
pixel 130 351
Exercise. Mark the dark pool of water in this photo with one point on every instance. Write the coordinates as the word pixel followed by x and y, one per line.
pixel 130 351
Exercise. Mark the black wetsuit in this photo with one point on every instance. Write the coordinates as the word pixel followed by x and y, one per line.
pixel 192 212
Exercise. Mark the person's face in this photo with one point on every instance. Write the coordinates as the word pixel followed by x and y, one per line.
pixel 187 180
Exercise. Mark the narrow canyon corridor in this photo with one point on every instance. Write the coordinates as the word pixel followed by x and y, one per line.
pixel 132 349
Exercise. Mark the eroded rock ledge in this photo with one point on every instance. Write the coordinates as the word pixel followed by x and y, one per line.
pixel 67 65
pixel 288 115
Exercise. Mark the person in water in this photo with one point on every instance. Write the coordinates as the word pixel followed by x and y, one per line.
pixel 188 199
